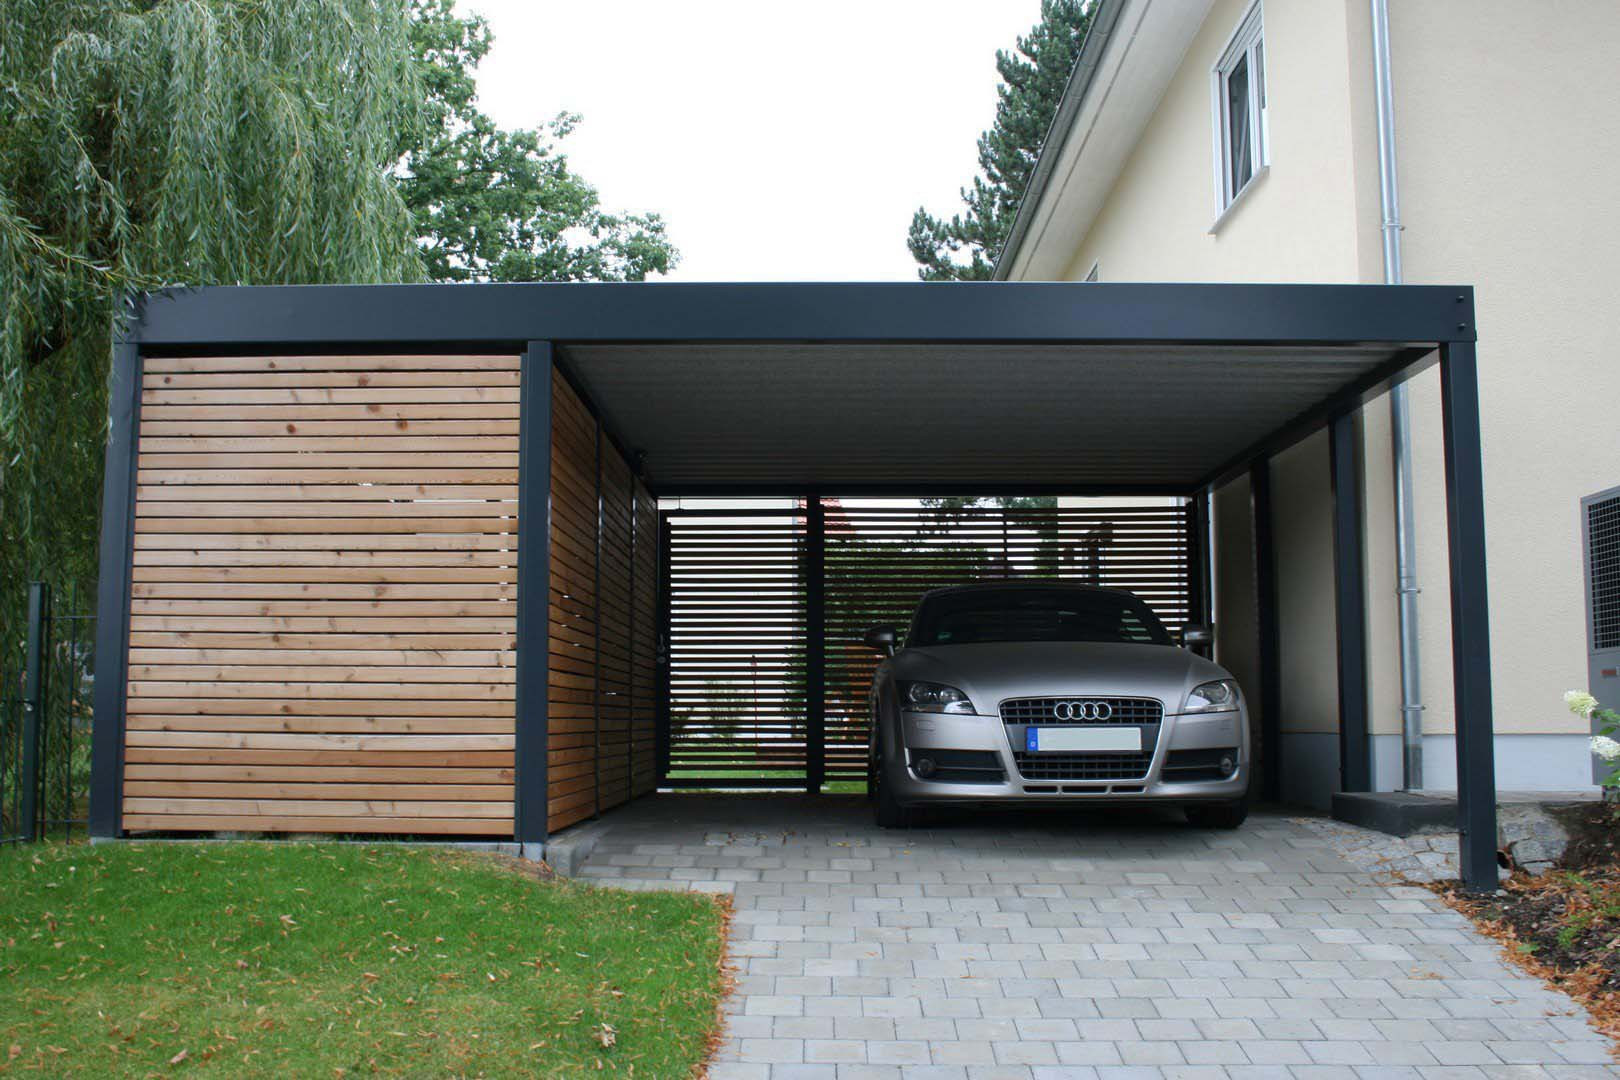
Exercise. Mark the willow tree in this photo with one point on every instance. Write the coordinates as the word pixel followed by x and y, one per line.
pixel 151 143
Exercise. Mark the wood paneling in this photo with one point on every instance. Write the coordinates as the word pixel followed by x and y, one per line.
pixel 604 570
pixel 322 608
pixel 572 715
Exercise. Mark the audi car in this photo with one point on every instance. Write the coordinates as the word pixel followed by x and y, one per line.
pixel 1049 692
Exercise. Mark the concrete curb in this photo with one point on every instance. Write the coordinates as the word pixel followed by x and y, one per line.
pixel 566 851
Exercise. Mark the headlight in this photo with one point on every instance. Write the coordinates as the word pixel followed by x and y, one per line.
pixel 933 697
pixel 1218 696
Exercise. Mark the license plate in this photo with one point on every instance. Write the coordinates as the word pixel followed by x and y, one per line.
pixel 1082 738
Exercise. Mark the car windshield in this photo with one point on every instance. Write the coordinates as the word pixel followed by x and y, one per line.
pixel 990 615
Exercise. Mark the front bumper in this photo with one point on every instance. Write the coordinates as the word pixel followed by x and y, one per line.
pixel 922 732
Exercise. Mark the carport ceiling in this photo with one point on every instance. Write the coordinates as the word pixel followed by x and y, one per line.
pixel 847 417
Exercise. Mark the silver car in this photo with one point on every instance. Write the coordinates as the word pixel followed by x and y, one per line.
pixel 1055 693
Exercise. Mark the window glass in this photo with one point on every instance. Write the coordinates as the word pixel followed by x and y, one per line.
pixel 1239 153
pixel 1240 108
pixel 1036 614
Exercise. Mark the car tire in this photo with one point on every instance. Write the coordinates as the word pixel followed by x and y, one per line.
pixel 1221 815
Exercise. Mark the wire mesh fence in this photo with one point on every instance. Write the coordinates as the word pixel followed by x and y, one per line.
pixel 11 745
pixel 45 717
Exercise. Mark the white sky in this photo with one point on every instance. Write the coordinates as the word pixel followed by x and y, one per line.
pixel 786 142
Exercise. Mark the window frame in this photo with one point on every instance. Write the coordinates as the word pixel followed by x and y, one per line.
pixel 1247 43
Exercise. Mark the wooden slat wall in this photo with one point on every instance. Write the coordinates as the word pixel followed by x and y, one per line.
pixel 571 741
pixel 604 611
pixel 322 620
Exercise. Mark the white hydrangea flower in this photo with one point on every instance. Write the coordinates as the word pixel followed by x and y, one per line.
pixel 1605 747
pixel 1580 703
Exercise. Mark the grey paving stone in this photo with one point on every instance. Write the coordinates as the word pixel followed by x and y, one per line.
pixel 1119 947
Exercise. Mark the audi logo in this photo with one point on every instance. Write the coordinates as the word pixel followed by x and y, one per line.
pixel 1083 710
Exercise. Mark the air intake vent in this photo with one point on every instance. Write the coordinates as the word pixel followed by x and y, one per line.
pixel 1603 565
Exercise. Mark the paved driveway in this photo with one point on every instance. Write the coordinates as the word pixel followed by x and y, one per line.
pixel 1114 947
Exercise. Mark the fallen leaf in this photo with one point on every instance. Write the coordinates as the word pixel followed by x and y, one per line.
pixel 606 1035
pixel 181 1056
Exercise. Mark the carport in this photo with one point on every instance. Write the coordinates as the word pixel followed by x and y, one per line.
pixel 389 558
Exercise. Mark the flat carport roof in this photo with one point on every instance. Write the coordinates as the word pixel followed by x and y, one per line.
pixel 913 388
pixel 901 386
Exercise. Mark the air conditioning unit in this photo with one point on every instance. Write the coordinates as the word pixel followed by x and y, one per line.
pixel 1600 542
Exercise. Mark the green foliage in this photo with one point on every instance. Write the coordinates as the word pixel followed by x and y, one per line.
pixel 174 142
pixel 965 247
pixel 319 960
pixel 497 205
pixel 151 143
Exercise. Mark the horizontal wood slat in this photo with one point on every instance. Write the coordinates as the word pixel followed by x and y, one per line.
pixel 323 608
pixel 572 690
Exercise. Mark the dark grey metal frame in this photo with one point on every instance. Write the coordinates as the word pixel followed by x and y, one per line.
pixel 533 595
pixel 1422 324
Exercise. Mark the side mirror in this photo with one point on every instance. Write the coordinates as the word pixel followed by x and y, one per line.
pixel 883 638
pixel 1197 637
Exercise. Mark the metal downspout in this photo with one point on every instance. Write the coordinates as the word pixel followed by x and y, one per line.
pixel 1400 421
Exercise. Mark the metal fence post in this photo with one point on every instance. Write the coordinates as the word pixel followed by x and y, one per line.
pixel 39 599
pixel 815 644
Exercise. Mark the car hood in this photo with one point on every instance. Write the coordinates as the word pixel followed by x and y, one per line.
pixel 990 673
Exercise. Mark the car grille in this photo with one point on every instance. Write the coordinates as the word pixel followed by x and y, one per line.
pixel 1039 711
pixel 1084 766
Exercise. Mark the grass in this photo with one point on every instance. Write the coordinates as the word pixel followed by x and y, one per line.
pixel 332 960
pixel 791 779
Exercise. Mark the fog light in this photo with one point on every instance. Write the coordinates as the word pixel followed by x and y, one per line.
pixel 924 767
pixel 1228 765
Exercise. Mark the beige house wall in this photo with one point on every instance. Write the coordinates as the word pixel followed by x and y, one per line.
pixel 1296 223
pixel 1508 124
pixel 1508 128
pixel 1301 221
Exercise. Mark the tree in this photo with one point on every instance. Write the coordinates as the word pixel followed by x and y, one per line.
pixel 1033 76
pixel 497 205
pixel 174 142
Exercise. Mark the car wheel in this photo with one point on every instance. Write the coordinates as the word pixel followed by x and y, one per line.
pixel 1222 815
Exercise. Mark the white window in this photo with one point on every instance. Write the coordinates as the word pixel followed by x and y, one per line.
pixel 1241 149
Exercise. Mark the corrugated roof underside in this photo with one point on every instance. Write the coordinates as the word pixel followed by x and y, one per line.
pixel 822 417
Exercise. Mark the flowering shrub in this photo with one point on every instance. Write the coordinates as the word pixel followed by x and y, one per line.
pixel 1585 706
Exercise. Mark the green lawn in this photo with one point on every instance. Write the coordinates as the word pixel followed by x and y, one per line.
pixel 295 960
pixel 790 778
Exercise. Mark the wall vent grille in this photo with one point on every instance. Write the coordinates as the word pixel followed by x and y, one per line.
pixel 1603 563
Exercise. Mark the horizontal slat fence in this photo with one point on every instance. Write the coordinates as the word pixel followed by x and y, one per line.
pixel 322 602
pixel 738 618
pixel 881 556
pixel 737 624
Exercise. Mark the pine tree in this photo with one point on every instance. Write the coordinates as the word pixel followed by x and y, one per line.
pixel 1033 75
